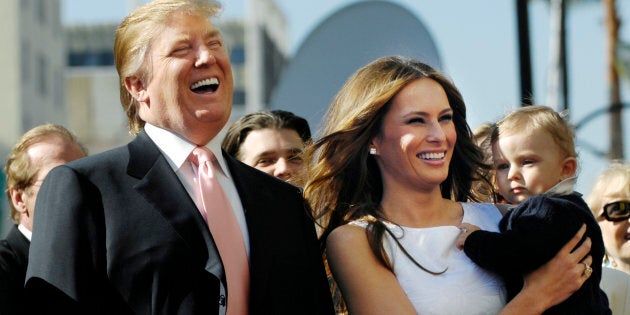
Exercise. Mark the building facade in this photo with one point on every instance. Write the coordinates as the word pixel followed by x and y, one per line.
pixel 32 76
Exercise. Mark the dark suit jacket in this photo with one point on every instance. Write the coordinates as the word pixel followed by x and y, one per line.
pixel 117 233
pixel 13 262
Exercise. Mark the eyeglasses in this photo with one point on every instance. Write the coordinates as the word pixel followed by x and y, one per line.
pixel 617 211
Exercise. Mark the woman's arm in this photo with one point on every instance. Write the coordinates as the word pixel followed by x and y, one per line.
pixel 555 281
pixel 367 286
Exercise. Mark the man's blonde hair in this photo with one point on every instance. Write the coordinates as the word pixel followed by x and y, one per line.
pixel 134 38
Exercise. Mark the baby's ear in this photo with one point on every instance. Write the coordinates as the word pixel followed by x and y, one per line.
pixel 569 167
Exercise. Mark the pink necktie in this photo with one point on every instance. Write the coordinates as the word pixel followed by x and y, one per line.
pixel 225 231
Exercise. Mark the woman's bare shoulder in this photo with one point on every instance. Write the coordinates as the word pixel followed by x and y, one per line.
pixel 347 234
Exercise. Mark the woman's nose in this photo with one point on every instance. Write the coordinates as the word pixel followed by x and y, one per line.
pixel 436 133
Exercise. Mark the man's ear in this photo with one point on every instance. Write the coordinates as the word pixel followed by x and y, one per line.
pixel 17 200
pixel 137 88
pixel 569 167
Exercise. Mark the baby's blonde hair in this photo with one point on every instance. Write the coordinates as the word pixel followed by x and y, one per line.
pixel 539 117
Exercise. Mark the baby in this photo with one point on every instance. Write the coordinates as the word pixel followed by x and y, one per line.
pixel 535 162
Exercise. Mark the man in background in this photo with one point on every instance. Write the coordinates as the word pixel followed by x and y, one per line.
pixel 35 153
pixel 271 141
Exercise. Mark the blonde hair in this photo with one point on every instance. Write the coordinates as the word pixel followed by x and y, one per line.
pixel 19 171
pixel 134 38
pixel 614 181
pixel 539 117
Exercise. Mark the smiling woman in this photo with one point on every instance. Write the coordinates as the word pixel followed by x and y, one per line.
pixel 392 170
pixel 394 143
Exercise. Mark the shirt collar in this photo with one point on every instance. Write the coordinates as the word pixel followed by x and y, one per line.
pixel 25 231
pixel 564 187
pixel 177 149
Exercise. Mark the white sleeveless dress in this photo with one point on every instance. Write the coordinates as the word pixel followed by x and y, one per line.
pixel 464 288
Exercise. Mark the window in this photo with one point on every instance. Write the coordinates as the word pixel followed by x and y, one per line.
pixel 237 55
pixel 90 58
pixel 42 84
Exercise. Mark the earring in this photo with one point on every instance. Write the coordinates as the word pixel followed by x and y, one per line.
pixel 373 151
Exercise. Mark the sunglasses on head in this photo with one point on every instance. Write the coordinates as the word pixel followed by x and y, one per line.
pixel 617 211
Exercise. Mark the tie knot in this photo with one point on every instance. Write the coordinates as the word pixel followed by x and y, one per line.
pixel 200 155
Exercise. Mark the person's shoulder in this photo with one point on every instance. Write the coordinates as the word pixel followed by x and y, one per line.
pixel 93 165
pixel 553 198
pixel 5 247
pixel 553 202
pixel 15 238
pixel 563 210
pixel 102 159
pixel 577 199
pixel 362 222
pixel 8 257
pixel 347 234
pixel 616 285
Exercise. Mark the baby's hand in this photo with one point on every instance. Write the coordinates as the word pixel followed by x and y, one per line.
pixel 466 229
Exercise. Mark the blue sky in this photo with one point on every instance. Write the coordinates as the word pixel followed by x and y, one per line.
pixel 478 46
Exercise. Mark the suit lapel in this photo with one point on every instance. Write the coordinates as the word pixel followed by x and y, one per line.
pixel 161 187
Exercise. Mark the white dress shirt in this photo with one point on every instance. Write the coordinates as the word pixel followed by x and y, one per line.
pixel 177 150
pixel 25 231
